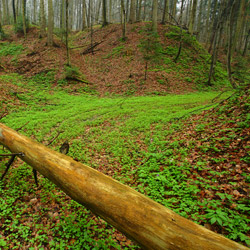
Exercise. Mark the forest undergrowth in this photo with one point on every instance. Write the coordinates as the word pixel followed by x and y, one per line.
pixel 189 152
pixel 197 166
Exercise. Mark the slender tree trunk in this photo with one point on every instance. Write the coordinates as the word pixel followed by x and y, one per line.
pixel 71 14
pixel 84 25
pixel 91 35
pixel 174 8
pixel 165 16
pixel 138 19
pixel 67 30
pixel 42 19
pixel 246 44
pixel 110 11
pixel 24 18
pixel 144 10
pixel 199 19
pixel 218 27
pixel 213 60
pixel 239 26
pixel 34 11
pixel 212 25
pixel 187 17
pixel 104 13
pixel 62 20
pixel 17 7
pixel 208 19
pixel 98 11
pixel 230 44
pixel 14 10
pixel 4 12
pixel 50 23
pixel 192 19
pixel 181 34
pixel 123 20
pixel 1 28
pixel 155 16
pixel 132 12
pixel 243 27
pixel 127 9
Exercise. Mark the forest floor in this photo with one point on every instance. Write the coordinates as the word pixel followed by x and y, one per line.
pixel 117 67
pixel 189 152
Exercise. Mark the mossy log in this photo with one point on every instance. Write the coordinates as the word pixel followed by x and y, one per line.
pixel 148 223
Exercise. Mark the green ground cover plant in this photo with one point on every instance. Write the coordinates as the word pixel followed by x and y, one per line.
pixel 140 142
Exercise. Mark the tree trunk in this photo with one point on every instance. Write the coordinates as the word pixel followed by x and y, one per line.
pixel 165 16
pixel 132 12
pixel 230 44
pixel 192 18
pixel 67 30
pixel 4 12
pixel 42 19
pixel 123 20
pixel 212 25
pixel 84 24
pixel 127 9
pixel 235 39
pixel 246 44
pixel 155 16
pixel 104 13
pixel 150 224
pixel 34 11
pixel 24 18
pixel 138 18
pixel 181 33
pixel 110 11
pixel 98 11
pixel 208 19
pixel 189 4
pixel 50 23
pixel 199 19
pixel 1 28
pixel 174 8
pixel 14 10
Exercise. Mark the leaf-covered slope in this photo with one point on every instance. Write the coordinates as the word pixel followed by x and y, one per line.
pixel 203 172
pixel 117 66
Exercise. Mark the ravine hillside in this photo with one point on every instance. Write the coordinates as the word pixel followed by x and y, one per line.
pixel 171 137
pixel 116 67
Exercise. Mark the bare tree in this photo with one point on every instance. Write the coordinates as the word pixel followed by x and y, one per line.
pixel 192 17
pixel 67 30
pixel 34 11
pixel 123 20
pixel 50 23
pixel 132 12
pixel 165 16
pixel 104 13
pixel 14 11
pixel 84 23
pixel 155 15
pixel 42 19
pixel 24 18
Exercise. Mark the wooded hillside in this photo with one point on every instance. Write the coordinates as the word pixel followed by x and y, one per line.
pixel 154 94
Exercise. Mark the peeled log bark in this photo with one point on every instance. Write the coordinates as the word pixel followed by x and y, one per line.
pixel 150 224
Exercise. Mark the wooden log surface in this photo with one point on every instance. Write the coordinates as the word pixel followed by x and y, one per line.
pixel 148 223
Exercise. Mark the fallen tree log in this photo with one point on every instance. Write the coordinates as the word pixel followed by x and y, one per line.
pixel 148 223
